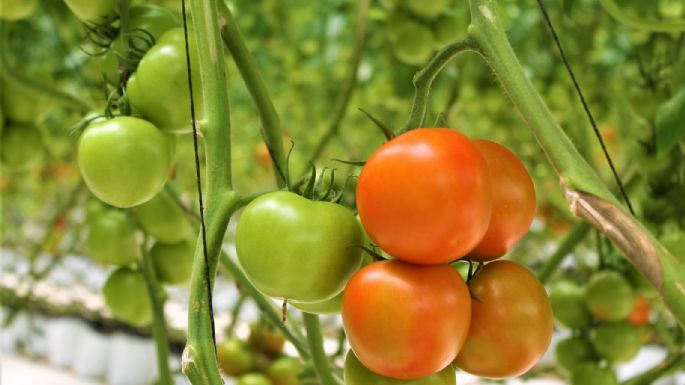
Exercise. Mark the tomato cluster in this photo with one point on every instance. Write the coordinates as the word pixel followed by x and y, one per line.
pixel 427 198
pixel 611 320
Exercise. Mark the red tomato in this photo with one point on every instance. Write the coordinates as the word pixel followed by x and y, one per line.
pixel 406 321
pixel 640 313
pixel 424 197
pixel 511 322
pixel 513 201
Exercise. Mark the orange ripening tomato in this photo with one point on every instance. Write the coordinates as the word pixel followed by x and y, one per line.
pixel 424 197
pixel 406 321
pixel 640 313
pixel 513 202
pixel 511 322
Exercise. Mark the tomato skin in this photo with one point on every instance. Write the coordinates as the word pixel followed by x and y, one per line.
pixel 573 351
pixel 17 9
pixel 21 147
pixel 111 239
pixel 124 161
pixel 617 342
pixel 159 90
pixel 91 10
pixel 266 339
pixel 253 379
pixel 511 326
pixel 385 310
pixel 297 249
pixel 173 262
pixel 235 358
pixel 23 104
pixel 126 296
pixel 568 304
pixel 424 197
pixel 609 296
pixel 589 373
pixel 284 371
pixel 513 202
pixel 640 313
pixel 163 218
pixel 357 374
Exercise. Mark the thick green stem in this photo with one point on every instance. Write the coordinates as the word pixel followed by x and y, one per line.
pixel 319 358
pixel 617 13
pixel 124 28
pixel 271 123
pixel 588 196
pixel 568 244
pixel 265 304
pixel 423 80
pixel 159 333
pixel 348 87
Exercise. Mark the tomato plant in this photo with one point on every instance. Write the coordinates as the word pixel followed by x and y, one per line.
pixel 640 313
pixel 125 295
pixel 424 197
pixel 385 308
pixel 617 342
pixel 592 373
pixel 609 296
pixel 235 358
pixel 173 262
pixel 111 238
pixel 513 201
pixel 124 160
pixel 163 218
pixel 253 379
pixel 571 352
pixel 568 304
pixel 92 11
pixel 17 9
pixel 511 322
pixel 284 371
pixel 357 374
pixel 311 251
pixel 266 339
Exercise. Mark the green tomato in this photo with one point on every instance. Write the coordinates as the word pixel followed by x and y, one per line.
pixel 284 371
pixel 16 9
pixel 111 239
pixel 22 104
pixel 94 209
pixel 92 10
pixel 163 218
pixel 568 304
pixel 617 342
pixel 253 379
pixel 357 374
pixel 235 358
pixel 126 296
pixel 609 296
pixel 427 9
pixel 573 351
pixel 413 43
pixel 589 373
pixel 173 262
pixel 297 249
pixel 446 29
pixel 159 91
pixel 124 161
pixel 21 147
pixel 329 306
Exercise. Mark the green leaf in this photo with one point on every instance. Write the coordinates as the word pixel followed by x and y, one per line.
pixel 670 123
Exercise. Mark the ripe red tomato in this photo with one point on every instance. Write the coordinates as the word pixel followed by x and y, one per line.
pixel 424 197
pixel 406 321
pixel 513 201
pixel 640 313
pixel 511 322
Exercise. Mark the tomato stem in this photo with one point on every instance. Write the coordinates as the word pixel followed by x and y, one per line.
pixel 319 358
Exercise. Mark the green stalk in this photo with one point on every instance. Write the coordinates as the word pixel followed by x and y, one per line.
pixel 271 123
pixel 319 358
pixel 588 196
pixel 617 13
pixel 124 28
pixel 423 80
pixel 157 299
pixel 568 244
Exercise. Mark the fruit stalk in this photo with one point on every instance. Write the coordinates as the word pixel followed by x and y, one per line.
pixel 319 358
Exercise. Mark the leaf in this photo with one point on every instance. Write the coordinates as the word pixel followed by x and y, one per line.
pixel 670 123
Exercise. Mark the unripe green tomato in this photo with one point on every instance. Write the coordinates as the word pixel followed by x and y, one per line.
pixel 111 239
pixel 428 9
pixel 284 371
pixel 617 342
pixel 173 262
pixel 568 304
pixel 126 296
pixel 124 161
pixel 235 358
pixel 414 43
pixel 93 11
pixel 160 87
pixel 609 296
pixel 163 218
pixel 22 104
pixel 21 147
pixel 446 29
pixel 16 9
pixel 297 249
pixel 254 379
pixel 589 373
pixel 357 374
pixel 94 208
pixel 329 306
pixel 573 351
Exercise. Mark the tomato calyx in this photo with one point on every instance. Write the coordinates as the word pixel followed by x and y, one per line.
pixel 387 132
pixel 314 186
